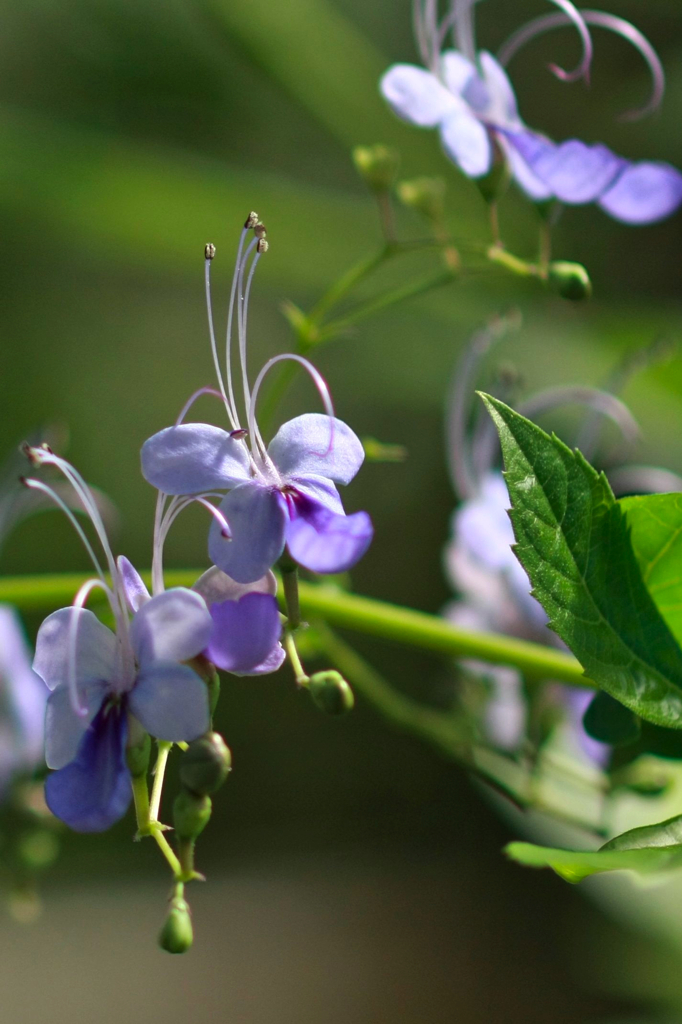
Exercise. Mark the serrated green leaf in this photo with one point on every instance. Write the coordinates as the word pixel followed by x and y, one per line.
pixel 655 522
pixel 573 541
pixel 609 721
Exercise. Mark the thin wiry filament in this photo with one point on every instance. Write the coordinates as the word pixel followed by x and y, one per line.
pixel 78 602
pixel 644 480
pixel 242 315
pixel 214 347
pixel 613 24
pixel 465 38
pixel 157 547
pixel 192 399
pixel 420 33
pixel 570 16
pixel 230 315
pixel 177 505
pixel 38 485
pixel 322 390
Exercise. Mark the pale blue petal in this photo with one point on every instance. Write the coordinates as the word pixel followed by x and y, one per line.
pixel 416 95
pixel 457 71
pixel 256 516
pixel 173 626
pixel 324 542
pixel 24 693
pixel 194 457
pixel 466 141
pixel 63 727
pixel 576 172
pixel 644 193
pixel 524 177
pixel 171 702
pixel 135 590
pixel 216 586
pixel 502 109
pixel 245 632
pixel 95 648
pixel 318 444
pixel 319 489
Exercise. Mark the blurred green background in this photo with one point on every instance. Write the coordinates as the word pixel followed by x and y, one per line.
pixel 353 874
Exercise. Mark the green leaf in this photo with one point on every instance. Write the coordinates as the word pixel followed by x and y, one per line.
pixel 609 721
pixel 573 541
pixel 655 522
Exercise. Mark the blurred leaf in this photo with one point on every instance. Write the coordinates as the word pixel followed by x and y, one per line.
pixel 655 522
pixel 608 721
pixel 573 542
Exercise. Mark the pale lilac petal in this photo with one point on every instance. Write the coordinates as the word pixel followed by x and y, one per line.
pixel 483 526
pixel 318 444
pixel 171 702
pixel 274 660
pixel 245 632
pixel 194 457
pixel 216 586
pixel 644 193
pixel 24 693
pixel 416 95
pixel 135 590
pixel 319 489
pixel 256 516
pixel 63 727
pixel 577 702
pixel 93 791
pixel 466 141
pixel 172 626
pixel 502 109
pixel 323 541
pixel 576 172
pixel 95 648
pixel 528 182
pixel 457 71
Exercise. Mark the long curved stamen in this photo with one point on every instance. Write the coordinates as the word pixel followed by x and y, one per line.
pixel 211 330
pixel 613 24
pixel 38 485
pixel 593 398
pixel 164 521
pixel 78 603
pixel 644 480
pixel 570 16
pixel 242 313
pixel 420 32
pixel 250 222
pixel 192 399
pixel 320 384
pixel 465 37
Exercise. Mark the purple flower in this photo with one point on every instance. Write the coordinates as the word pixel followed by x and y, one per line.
pixel 22 701
pixel 282 495
pixel 469 98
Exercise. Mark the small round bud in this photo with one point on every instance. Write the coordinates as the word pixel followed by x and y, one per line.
pixel 262 246
pixel 251 220
pixel 331 692
pixel 177 936
pixel 209 251
pixel 570 280
pixel 205 764
pixel 191 814
pixel 377 166
pixel 425 195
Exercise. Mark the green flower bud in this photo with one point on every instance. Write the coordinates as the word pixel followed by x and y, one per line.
pixel 570 280
pixel 331 692
pixel 206 764
pixel 191 814
pixel 177 936
pixel 377 166
pixel 425 195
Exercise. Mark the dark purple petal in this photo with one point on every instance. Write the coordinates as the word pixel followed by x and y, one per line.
pixel 194 457
pixel 133 584
pixel 173 626
pixel 318 444
pixel 96 648
pixel 63 727
pixel 256 516
pixel 245 632
pixel 319 489
pixel 93 791
pixel 171 702
pixel 644 193
pixel 574 171
pixel 324 541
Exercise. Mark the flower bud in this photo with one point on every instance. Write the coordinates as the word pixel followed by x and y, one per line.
pixel 377 166
pixel 177 936
pixel 570 280
pixel 206 764
pixel 191 813
pixel 425 195
pixel 331 692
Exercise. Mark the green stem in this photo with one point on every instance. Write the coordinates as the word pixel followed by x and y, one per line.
pixel 147 825
pixel 167 851
pixel 522 268
pixel 339 608
pixel 159 772
pixel 141 801
pixel 300 675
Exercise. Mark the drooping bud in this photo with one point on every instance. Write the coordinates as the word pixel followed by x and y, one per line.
pixel 191 814
pixel 177 935
pixel 570 280
pixel 377 166
pixel 209 251
pixel 205 764
pixel 331 692
pixel 425 195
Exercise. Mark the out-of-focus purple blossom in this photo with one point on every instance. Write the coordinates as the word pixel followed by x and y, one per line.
pixel 468 97
pixel 23 696
pixel 281 495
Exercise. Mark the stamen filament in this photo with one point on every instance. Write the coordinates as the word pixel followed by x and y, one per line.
pixel 38 485
pixel 190 402
pixel 242 313
pixel 320 384
pixel 230 315
pixel 214 347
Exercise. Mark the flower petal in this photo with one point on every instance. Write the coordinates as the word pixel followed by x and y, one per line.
pixel 320 489
pixel 256 516
pixel 466 141
pixel 63 727
pixel 24 694
pixel 95 648
pixel 135 590
pixel 524 177
pixel 194 457
pixel 172 626
pixel 216 586
pixel 323 541
pixel 502 109
pixel 644 193
pixel 171 702
pixel 576 172
pixel 416 95
pixel 274 660
pixel 457 71
pixel 244 632
pixel 93 791
pixel 318 444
